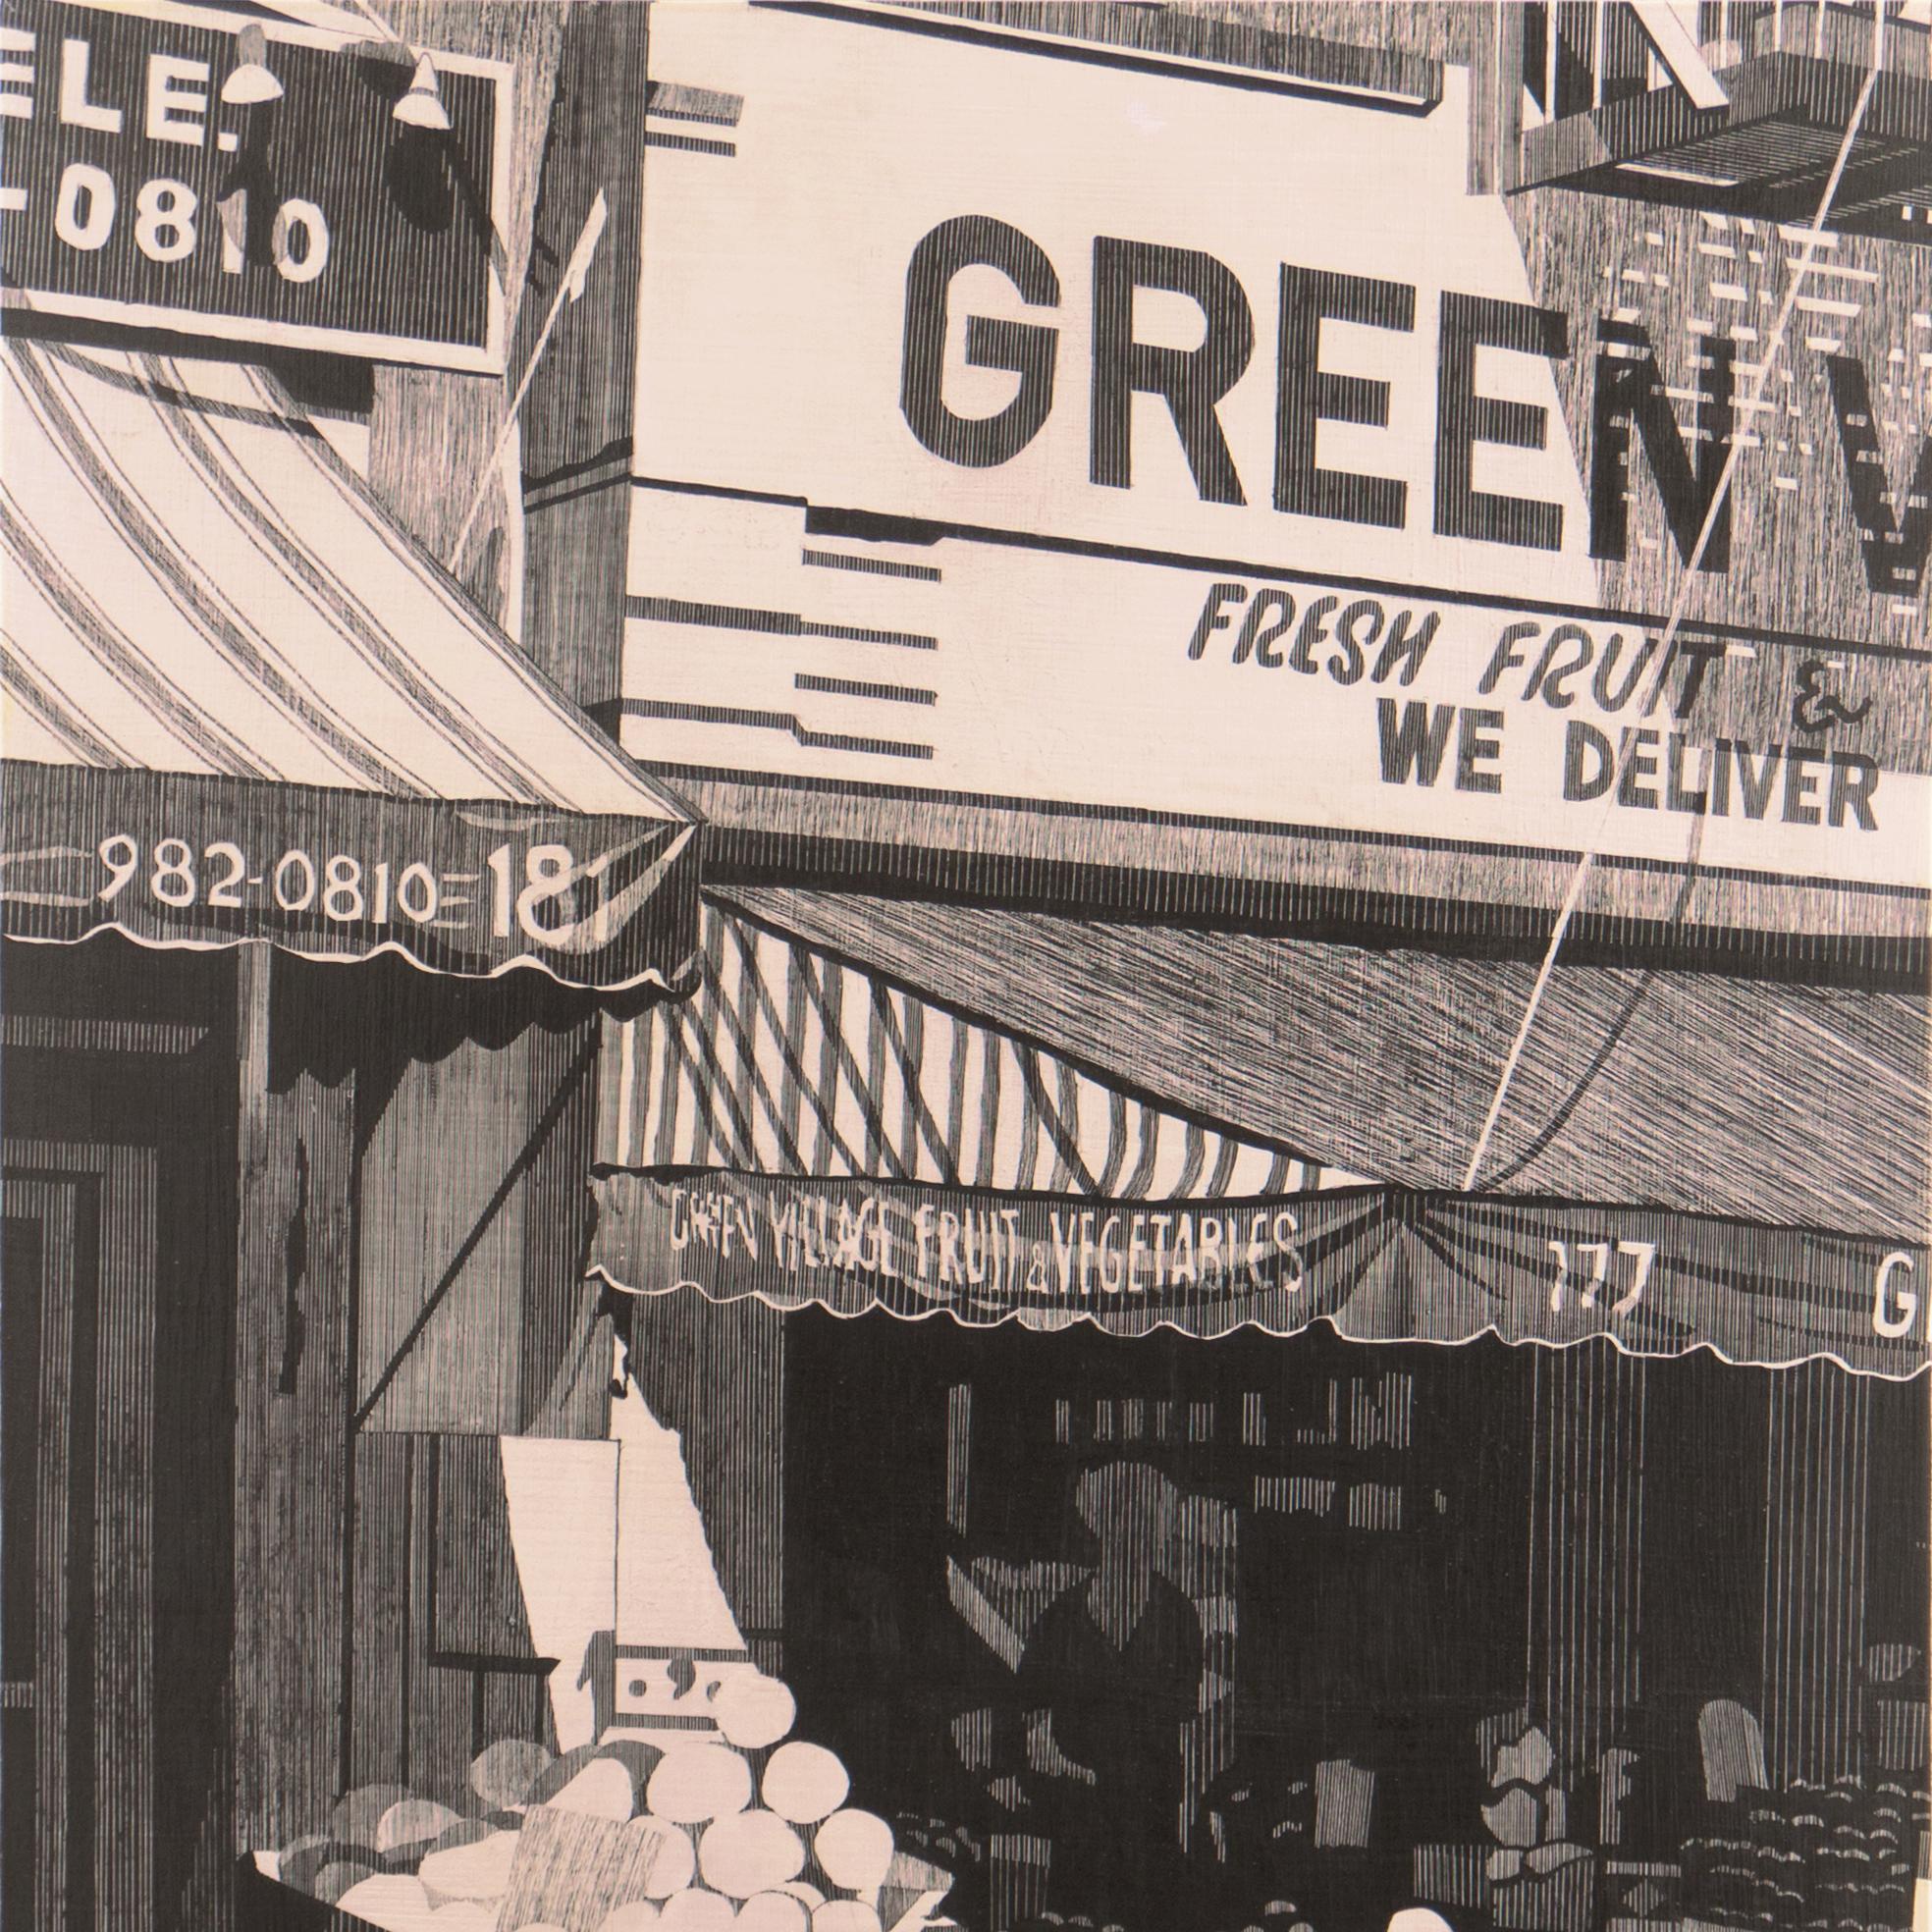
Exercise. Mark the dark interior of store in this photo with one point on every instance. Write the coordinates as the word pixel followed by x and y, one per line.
pixel 1400 1562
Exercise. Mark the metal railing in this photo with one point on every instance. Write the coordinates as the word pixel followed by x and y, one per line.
pixel 1581 55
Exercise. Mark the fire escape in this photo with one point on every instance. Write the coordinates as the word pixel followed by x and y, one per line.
pixel 1736 106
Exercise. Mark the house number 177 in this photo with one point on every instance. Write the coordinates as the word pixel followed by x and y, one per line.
pixel 1641 1255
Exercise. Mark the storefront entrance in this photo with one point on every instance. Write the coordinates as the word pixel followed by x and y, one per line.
pixel 115 1338
pixel 1162 1632
pixel 70 1420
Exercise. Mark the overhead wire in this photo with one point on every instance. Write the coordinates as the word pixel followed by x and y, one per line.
pixel 1720 493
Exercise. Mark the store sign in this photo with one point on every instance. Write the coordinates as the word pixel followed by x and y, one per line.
pixel 1068 301
pixel 1194 458
pixel 143 180
pixel 461 888
pixel 1379 1264
pixel 1250 703
pixel 1061 300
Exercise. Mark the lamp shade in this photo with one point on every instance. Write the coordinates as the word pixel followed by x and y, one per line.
pixel 422 106
pixel 249 81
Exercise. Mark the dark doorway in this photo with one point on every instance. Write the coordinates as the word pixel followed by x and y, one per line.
pixel 20 1263
pixel 57 1666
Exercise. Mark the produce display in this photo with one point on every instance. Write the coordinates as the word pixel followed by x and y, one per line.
pixel 1837 1858
pixel 740 1829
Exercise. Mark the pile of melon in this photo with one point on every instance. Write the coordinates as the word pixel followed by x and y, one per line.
pixel 740 1827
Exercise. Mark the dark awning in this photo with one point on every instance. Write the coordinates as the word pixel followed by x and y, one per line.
pixel 814 1126
pixel 242 704
pixel 1378 1264
pixel 1790 1104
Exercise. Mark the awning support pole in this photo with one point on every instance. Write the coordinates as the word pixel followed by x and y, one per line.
pixel 570 289
pixel 294 1263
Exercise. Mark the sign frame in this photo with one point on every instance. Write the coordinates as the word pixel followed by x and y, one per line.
pixel 490 358
pixel 732 650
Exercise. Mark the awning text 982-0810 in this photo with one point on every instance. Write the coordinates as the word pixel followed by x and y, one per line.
pixel 240 703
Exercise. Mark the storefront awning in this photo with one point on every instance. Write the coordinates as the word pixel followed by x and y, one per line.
pixel 807 1129
pixel 786 1061
pixel 1713 1094
pixel 1378 1264
pixel 242 704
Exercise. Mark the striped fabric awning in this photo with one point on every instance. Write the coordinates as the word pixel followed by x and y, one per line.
pixel 1377 1264
pixel 787 1061
pixel 809 1129
pixel 239 702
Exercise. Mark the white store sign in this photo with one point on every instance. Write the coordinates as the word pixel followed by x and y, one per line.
pixel 1211 466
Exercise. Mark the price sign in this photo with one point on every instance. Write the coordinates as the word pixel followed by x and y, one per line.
pixel 153 172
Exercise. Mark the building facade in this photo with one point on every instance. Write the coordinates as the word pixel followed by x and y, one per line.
pixel 1049 881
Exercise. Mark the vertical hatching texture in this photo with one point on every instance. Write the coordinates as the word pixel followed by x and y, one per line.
pixel 576 426
pixel 1586 1544
pixel 1375 1506
pixel 474 1315
pixel 379 1686
pixel 1444 31
pixel 1344 1802
pixel 1817 1479
pixel 959 1455
pixel 1285 1493
pixel 747 1357
pixel 443 1736
pixel 53 1584
pixel 293 1320
pixel 714 1373
pixel 557 1394
pixel 478 1601
pixel 1688 278
pixel 125 1527
pixel 96 1492
pixel 444 1144
pixel 1254 1420
pixel 1381 1410
pixel 972 1738
pixel 442 1644
pixel 1733 1745
pixel 431 431
pixel 62 1727
pixel 1020 1870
